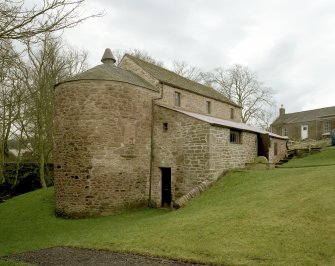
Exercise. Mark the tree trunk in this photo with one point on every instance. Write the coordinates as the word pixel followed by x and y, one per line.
pixel 2 167
pixel 41 137
pixel 42 166
pixel 2 150
pixel 18 161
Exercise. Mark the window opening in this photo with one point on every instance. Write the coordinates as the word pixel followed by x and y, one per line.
pixel 232 113
pixel 235 136
pixel 177 99
pixel 326 126
pixel 208 107
pixel 165 127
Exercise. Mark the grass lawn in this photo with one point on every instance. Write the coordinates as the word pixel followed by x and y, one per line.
pixel 283 216
pixel 326 157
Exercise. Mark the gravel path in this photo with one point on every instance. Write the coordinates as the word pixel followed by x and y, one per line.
pixel 79 256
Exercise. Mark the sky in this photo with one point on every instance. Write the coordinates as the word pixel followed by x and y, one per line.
pixel 290 44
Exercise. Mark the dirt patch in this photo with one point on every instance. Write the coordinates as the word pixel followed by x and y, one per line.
pixel 80 256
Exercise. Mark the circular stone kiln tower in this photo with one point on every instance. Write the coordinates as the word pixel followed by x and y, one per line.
pixel 102 139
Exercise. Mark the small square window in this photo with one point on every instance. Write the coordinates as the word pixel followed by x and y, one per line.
pixel 165 127
pixel 235 136
pixel 208 107
pixel 177 98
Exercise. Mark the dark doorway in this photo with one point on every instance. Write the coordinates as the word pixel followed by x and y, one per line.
pixel 263 145
pixel 166 186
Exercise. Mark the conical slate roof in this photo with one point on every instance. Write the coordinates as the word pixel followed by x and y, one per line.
pixel 108 72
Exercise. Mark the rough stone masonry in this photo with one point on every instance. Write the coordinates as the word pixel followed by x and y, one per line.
pixel 139 134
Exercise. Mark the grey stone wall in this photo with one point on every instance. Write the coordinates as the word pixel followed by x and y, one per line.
pixel 195 151
pixel 183 148
pixel 226 155
pixel 197 103
pixel 189 101
pixel 101 147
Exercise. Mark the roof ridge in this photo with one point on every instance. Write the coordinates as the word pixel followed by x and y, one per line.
pixel 305 116
pixel 172 72
pixel 171 78
pixel 311 110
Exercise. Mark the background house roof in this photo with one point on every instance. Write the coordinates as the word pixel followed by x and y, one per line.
pixel 224 123
pixel 170 78
pixel 305 116
pixel 112 73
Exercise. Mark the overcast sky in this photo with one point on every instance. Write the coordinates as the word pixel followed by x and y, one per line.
pixel 290 44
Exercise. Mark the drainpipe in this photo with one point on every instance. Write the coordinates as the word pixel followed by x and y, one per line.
pixel 152 142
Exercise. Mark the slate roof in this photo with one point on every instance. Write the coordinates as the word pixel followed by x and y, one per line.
pixel 305 116
pixel 112 73
pixel 170 78
pixel 224 123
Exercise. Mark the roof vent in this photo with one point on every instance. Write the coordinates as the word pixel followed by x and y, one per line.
pixel 108 57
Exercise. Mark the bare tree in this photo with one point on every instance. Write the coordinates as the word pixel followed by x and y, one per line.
pixel 241 85
pixel 18 22
pixel 11 95
pixel 265 117
pixel 48 63
pixel 118 55
pixel 36 79
pixel 76 62
pixel 141 54
pixel 182 68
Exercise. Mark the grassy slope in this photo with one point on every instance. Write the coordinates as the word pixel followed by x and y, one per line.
pixel 326 157
pixel 281 216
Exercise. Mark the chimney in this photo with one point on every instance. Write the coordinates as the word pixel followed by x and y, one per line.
pixel 108 57
pixel 281 110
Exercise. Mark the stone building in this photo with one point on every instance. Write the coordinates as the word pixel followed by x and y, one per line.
pixel 312 124
pixel 138 134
